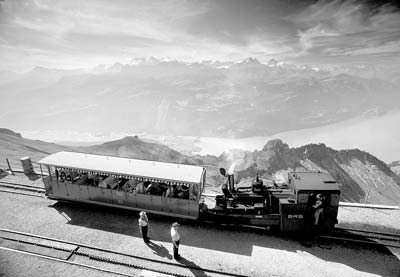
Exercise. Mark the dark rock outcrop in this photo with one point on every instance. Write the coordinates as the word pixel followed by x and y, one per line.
pixel 9 132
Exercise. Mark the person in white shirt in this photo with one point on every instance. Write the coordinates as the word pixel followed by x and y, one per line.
pixel 143 224
pixel 175 239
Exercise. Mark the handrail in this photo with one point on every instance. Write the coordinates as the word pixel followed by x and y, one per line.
pixel 374 206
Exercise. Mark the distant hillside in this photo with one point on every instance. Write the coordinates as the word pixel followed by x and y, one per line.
pixel 359 172
pixel 9 132
pixel 14 147
pixel 133 147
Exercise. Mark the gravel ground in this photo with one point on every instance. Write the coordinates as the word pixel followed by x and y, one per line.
pixel 32 180
pixel 370 219
pixel 18 264
pixel 247 252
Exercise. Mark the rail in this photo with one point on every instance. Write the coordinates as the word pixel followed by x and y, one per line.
pixel 123 261
pixel 363 237
pixel 18 188
pixel 374 206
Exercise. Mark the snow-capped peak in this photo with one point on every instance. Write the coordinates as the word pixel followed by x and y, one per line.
pixel 272 62
pixel 146 61
pixel 250 60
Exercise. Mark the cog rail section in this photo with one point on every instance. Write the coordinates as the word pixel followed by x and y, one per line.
pixel 97 258
pixel 23 189
pixel 363 237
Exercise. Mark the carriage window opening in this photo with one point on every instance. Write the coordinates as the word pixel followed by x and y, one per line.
pixel 136 185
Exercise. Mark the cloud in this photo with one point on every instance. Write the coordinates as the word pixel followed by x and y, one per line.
pixel 348 28
pixel 235 22
pixel 64 33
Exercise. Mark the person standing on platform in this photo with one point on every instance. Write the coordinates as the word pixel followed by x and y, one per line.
pixel 175 239
pixel 144 225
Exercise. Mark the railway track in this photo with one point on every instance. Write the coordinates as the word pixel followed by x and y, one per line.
pixel 98 258
pixel 363 237
pixel 18 188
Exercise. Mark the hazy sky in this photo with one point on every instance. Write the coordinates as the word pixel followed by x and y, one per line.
pixel 82 33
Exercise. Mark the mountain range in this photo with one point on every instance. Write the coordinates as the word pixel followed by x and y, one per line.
pixel 209 98
pixel 363 177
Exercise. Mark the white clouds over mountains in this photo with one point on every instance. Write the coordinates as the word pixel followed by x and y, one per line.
pixel 70 34
pixel 349 28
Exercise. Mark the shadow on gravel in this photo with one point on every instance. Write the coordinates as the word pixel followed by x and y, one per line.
pixel 194 268
pixel 3 173
pixel 159 250
pixel 229 239
pixel 32 176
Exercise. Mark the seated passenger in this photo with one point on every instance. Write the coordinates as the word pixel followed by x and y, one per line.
pixel 130 186
pixel 63 176
pixel 183 192
pixel 153 189
pixel 140 188
pixel 122 182
pixel 170 191
pixel 163 187
pixel 192 192
pixel 77 178
pixel 106 182
pixel 178 192
pixel 82 178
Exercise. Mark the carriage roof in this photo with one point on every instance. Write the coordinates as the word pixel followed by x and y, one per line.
pixel 125 166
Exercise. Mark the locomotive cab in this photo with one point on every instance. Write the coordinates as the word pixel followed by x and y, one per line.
pixel 304 211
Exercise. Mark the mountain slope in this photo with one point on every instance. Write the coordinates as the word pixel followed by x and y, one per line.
pixel 133 147
pixel 360 173
pixel 14 147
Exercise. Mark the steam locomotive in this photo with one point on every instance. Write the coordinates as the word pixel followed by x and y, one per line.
pixel 290 207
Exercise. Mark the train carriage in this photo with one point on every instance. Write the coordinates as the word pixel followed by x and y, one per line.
pixel 157 187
